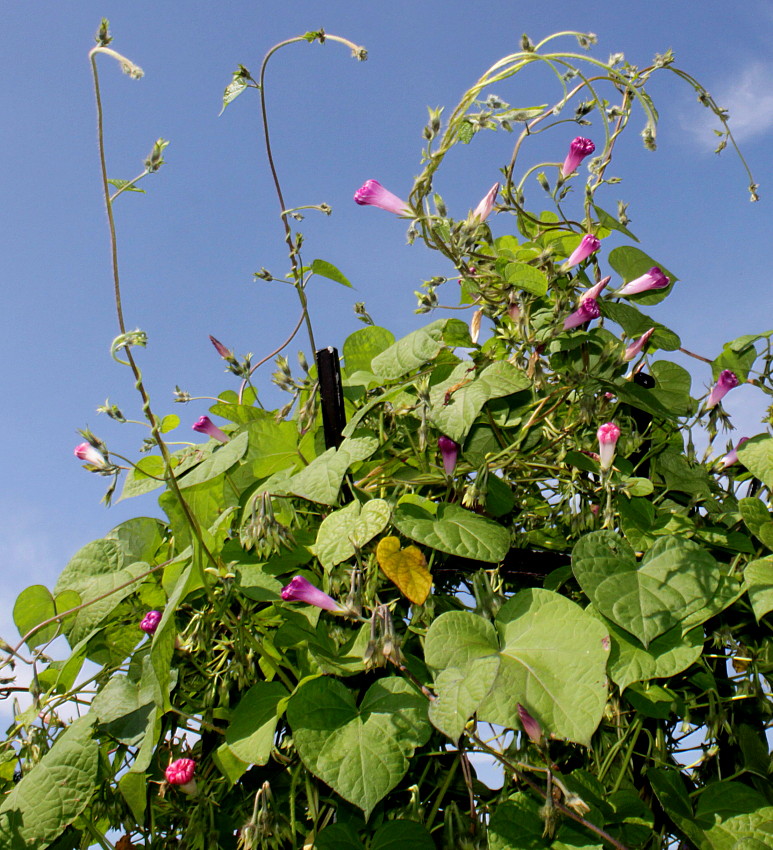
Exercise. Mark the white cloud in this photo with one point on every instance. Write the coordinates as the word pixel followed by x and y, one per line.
pixel 748 99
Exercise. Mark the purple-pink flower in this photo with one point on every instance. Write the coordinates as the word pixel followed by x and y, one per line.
pixel 221 349
pixel 588 245
pixel 530 726
pixel 449 452
pixel 653 279
pixel 150 621
pixel 578 150
pixel 87 452
pixel 373 194
pixel 180 772
pixel 204 425
pixel 727 381
pixel 301 590
pixel 595 290
pixel 483 210
pixel 732 456
pixel 588 309
pixel 636 347
pixel 608 435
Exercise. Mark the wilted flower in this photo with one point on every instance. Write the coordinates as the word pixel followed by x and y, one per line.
pixel 530 725
pixel 180 772
pixel 595 290
pixel 653 279
pixel 372 193
pixel 589 245
pixel 588 309
pixel 578 150
pixel 204 425
pixel 483 210
pixel 635 348
pixel 608 435
pixel 301 590
pixel 449 451
pixel 475 324
pixel 150 621
pixel 732 456
pixel 727 380
pixel 87 452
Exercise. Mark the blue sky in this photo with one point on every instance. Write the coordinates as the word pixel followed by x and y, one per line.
pixel 189 246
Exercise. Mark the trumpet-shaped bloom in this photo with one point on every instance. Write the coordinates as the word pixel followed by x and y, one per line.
pixel 595 290
pixel 180 772
pixel 373 194
pixel 150 621
pixel 636 347
pixel 483 210
pixel 727 381
pixel 301 590
pixel 589 245
pixel 732 456
pixel 578 150
pixel 588 309
pixel 449 452
pixel 653 279
pixel 204 425
pixel 608 435
pixel 87 452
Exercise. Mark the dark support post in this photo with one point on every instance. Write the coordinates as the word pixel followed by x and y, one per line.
pixel 643 421
pixel 331 395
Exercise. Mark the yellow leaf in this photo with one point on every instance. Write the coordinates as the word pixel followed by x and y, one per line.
pixel 407 568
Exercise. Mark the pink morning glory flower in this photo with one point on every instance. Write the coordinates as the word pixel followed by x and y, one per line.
pixel 87 452
pixel 635 348
pixel 588 309
pixel 449 451
pixel 578 150
pixel 732 456
pixel 204 425
pixel 301 590
pixel 483 210
pixel 180 772
pixel 727 381
pixel 372 193
pixel 653 279
pixel 589 245
pixel 608 435
pixel 595 290
pixel 150 621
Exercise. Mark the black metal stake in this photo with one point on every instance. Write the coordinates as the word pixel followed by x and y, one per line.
pixel 331 394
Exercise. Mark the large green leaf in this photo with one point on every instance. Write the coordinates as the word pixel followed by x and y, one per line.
pixel 273 446
pixel 401 834
pixel 139 537
pixel 361 753
pixel 223 457
pixel 93 571
pixel 54 792
pixel 460 693
pixel 552 659
pixel 675 578
pixel 321 480
pixel 363 345
pixel 455 531
pixel 468 391
pixel 667 655
pixel 757 456
pixel 758 579
pixel 635 323
pixel 250 734
pixel 410 352
pixel 526 277
pixel 35 605
pixel 350 528
pixel 672 387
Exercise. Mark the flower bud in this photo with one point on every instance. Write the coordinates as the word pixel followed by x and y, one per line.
pixel 483 210
pixel 180 772
pixel 653 279
pixel 88 453
pixel 635 348
pixel 221 349
pixel 732 456
pixel 150 621
pixel 588 245
pixel 449 451
pixel 530 725
pixel 588 310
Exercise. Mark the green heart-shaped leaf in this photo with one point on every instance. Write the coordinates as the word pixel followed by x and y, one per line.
pixel 360 753
pixel 675 578
pixel 351 526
